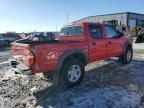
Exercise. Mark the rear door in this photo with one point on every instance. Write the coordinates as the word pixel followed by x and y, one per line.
pixel 114 43
pixel 97 43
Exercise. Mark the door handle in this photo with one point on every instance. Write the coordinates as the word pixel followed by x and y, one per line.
pixel 93 43
pixel 109 42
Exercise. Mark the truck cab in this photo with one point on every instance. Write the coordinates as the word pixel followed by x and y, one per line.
pixel 104 41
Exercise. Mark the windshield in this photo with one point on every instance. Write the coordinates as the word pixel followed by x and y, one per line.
pixel 72 31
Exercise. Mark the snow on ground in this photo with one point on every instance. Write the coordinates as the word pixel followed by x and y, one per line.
pixel 107 97
pixel 4 54
pixel 139 51
pixel 107 84
pixel 139 46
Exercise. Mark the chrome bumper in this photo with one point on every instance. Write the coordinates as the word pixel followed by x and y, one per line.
pixel 19 68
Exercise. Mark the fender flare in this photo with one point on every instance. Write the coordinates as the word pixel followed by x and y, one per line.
pixel 125 46
pixel 69 53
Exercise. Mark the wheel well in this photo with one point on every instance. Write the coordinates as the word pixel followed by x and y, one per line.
pixel 126 46
pixel 78 56
pixel 69 55
pixel 129 46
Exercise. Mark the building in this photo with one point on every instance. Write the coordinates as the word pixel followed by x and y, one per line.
pixel 128 19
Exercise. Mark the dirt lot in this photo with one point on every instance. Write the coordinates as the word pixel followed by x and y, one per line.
pixel 108 84
pixel 4 54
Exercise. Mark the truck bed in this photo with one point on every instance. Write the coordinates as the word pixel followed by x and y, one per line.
pixel 46 53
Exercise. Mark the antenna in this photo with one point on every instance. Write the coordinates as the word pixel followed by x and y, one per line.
pixel 56 26
pixel 67 18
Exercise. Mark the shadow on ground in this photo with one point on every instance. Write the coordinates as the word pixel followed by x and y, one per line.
pixel 110 74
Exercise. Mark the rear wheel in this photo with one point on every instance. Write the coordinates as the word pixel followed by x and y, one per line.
pixel 72 73
pixel 127 57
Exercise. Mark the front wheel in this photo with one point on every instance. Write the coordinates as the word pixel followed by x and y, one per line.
pixel 127 57
pixel 72 73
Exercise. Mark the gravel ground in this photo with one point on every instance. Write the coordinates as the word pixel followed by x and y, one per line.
pixel 4 54
pixel 107 84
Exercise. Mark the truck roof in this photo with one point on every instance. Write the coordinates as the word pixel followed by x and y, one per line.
pixel 81 23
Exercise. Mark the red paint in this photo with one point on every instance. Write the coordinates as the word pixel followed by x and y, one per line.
pixel 46 56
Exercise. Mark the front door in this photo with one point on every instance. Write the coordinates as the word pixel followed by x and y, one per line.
pixel 114 43
pixel 97 43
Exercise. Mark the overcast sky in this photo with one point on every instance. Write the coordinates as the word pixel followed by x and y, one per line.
pixel 44 15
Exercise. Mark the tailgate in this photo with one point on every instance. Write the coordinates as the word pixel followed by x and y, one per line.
pixel 19 52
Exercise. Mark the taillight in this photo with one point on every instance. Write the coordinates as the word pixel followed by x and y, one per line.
pixel 30 57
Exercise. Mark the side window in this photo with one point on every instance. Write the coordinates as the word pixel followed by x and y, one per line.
pixel 95 31
pixel 72 31
pixel 78 30
pixel 110 32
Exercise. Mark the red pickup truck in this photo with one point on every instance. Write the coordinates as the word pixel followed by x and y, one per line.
pixel 78 45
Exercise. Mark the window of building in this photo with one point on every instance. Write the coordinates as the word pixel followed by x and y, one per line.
pixel 110 32
pixel 132 23
pixel 95 31
pixel 113 23
pixel 140 23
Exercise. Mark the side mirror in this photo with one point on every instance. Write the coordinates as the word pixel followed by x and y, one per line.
pixel 120 34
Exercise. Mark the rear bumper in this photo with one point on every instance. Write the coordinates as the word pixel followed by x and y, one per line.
pixel 18 67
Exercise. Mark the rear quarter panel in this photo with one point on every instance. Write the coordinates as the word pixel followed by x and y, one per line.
pixel 19 52
pixel 48 55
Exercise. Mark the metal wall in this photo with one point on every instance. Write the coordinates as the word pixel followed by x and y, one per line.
pixel 136 16
pixel 121 18
pixel 135 19
pixel 128 19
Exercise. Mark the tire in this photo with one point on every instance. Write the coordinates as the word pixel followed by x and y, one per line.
pixel 127 57
pixel 73 73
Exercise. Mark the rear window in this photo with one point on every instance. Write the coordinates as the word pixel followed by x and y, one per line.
pixel 72 31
